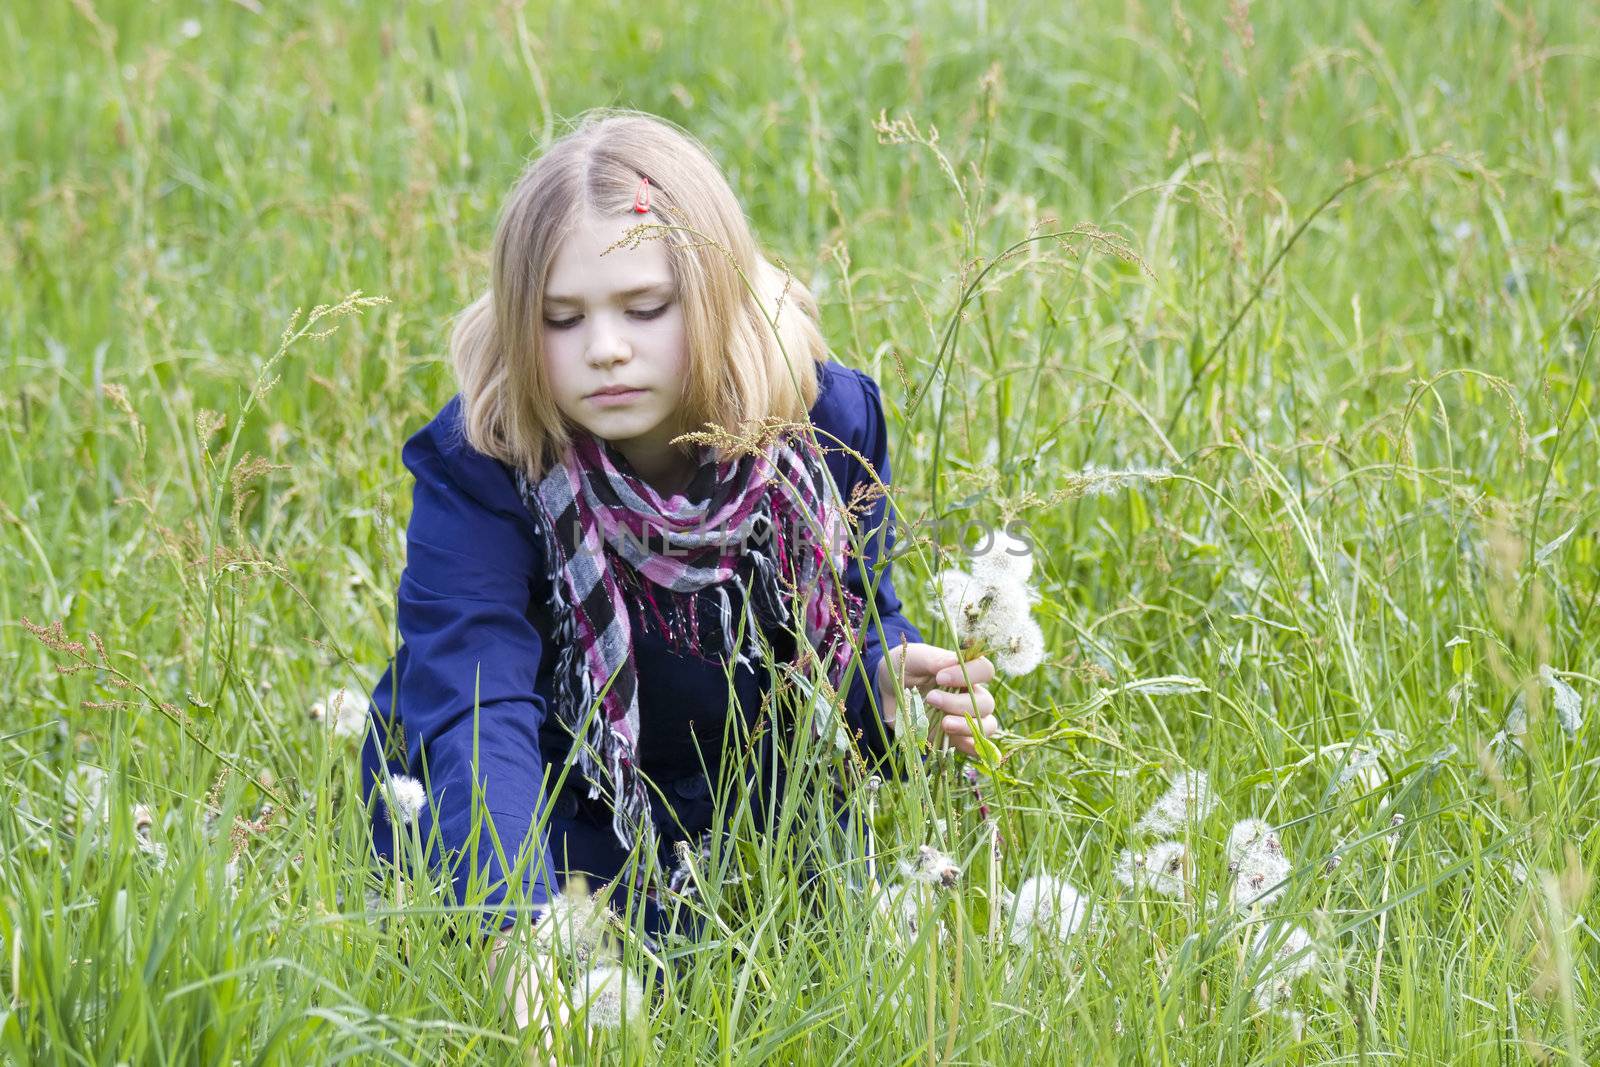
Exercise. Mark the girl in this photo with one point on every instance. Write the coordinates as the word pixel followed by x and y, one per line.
pixel 578 584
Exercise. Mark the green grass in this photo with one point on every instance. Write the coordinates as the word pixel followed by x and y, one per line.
pixel 1357 326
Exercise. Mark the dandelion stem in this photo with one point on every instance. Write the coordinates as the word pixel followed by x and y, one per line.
pixel 929 975
pixel 953 1014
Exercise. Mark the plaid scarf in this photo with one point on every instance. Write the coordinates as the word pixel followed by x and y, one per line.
pixel 770 521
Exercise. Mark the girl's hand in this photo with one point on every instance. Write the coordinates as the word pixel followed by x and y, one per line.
pixel 961 691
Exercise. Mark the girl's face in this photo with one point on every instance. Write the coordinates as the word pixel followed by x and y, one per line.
pixel 612 322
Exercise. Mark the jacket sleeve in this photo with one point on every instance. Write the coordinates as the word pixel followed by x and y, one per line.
pixel 868 575
pixel 464 691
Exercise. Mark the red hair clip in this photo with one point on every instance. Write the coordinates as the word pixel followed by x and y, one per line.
pixel 641 199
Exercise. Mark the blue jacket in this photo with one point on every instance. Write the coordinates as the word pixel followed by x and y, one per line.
pixel 474 630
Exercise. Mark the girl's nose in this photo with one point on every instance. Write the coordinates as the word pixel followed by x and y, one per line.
pixel 608 348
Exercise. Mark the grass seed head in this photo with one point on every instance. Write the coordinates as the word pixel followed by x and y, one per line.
pixel 343 711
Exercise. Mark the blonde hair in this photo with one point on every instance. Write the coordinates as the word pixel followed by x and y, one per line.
pixel 738 375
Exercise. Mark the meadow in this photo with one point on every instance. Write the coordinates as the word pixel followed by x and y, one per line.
pixel 1273 326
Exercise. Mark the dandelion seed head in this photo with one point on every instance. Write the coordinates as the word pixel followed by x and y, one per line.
pixel 1292 958
pixel 1006 560
pixel 965 600
pixel 932 867
pixel 1019 647
pixel 1249 835
pixel 1260 879
pixel 1270 992
pixel 612 998
pixel 574 923
pixel 1161 869
pixel 1188 799
pixel 1047 905
pixel 900 905
pixel 405 798
pixel 189 29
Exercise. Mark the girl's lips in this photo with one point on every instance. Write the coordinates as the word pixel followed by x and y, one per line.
pixel 610 400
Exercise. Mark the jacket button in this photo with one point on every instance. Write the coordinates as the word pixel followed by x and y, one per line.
pixel 694 787
pixel 566 806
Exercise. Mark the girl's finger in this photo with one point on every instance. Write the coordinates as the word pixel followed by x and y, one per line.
pixel 978 670
pixel 955 727
pixel 977 702
pixel 967 745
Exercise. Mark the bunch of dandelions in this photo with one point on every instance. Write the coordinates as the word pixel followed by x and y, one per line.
pixel 990 607
pixel 1280 952
pixel 342 712
pixel 1163 867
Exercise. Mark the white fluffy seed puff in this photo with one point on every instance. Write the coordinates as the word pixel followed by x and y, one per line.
pixel 1004 559
pixel 1291 957
pixel 1188 799
pixel 899 906
pixel 343 712
pixel 404 797
pixel 1162 868
pixel 612 998
pixel 932 867
pixel 1046 906
pixel 574 924
pixel 1258 863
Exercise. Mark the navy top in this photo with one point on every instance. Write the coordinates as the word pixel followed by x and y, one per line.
pixel 473 613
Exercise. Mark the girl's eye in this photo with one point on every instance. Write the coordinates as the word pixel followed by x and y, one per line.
pixel 652 313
